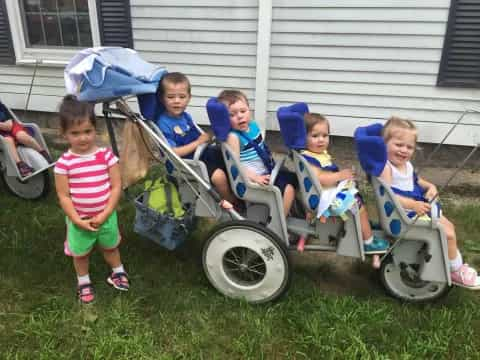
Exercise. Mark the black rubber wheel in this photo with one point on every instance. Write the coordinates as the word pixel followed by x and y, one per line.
pixel 244 260
pixel 406 287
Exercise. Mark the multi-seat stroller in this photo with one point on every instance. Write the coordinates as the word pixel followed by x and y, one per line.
pixel 36 184
pixel 246 255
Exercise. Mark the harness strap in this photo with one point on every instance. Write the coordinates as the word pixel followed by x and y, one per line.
pixel 264 154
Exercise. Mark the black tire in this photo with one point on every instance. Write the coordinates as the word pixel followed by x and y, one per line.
pixel 34 188
pixel 244 260
pixel 398 284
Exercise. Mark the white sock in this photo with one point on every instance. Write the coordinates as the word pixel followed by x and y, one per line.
pixel 118 269
pixel 84 279
pixel 456 263
pixel 368 241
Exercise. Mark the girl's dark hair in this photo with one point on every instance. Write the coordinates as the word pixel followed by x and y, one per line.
pixel 173 78
pixel 312 119
pixel 73 112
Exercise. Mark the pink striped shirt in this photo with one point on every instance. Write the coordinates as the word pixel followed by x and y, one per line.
pixel 88 179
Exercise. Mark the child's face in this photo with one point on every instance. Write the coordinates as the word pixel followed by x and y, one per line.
pixel 81 137
pixel 318 138
pixel 401 146
pixel 239 115
pixel 175 98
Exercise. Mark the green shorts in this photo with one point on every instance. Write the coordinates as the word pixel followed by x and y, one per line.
pixel 81 242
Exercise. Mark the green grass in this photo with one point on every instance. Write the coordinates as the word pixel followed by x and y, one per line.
pixel 172 312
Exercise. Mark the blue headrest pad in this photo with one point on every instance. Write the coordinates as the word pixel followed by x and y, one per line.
pixel 150 105
pixel 371 149
pixel 4 113
pixel 292 125
pixel 219 118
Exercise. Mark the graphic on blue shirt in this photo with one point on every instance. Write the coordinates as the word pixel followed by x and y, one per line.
pixel 178 131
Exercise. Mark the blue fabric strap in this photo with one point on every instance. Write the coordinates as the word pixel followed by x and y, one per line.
pixel 264 153
pixel 315 162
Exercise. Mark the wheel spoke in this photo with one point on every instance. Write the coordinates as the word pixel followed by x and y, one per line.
pixel 232 262
pixel 256 272
pixel 256 265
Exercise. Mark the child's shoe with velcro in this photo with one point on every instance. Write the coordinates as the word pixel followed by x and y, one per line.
pixel 119 281
pixel 24 169
pixel 466 277
pixel 85 293
pixel 377 246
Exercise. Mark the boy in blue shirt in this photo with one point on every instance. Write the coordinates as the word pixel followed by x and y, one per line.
pixel 183 135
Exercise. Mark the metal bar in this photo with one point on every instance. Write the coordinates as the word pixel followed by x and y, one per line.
pixel 30 89
pixel 461 166
pixel 111 132
pixel 37 172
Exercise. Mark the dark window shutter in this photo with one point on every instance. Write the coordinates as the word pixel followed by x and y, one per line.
pixel 460 64
pixel 115 24
pixel 7 54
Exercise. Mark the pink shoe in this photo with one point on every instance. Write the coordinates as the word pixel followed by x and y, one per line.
pixel 85 293
pixel 119 281
pixel 466 277
pixel 301 244
pixel 376 263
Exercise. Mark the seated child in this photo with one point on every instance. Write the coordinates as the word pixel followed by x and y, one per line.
pixel 329 176
pixel 14 133
pixel 246 140
pixel 415 193
pixel 174 92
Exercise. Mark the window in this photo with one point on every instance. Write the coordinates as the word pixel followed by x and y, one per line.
pixel 460 64
pixel 60 23
pixel 52 30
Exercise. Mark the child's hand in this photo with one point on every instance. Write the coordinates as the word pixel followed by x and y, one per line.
pixel 421 207
pixel 431 193
pixel 97 220
pixel 204 138
pixel 346 174
pixel 262 179
pixel 85 224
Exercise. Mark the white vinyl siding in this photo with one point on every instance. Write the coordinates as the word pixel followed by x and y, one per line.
pixel 358 62
pixel 213 42
pixel 355 61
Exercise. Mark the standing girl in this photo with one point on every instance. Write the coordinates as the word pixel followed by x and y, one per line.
pixel 87 180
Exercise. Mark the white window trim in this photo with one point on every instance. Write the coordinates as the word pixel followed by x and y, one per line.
pixel 52 57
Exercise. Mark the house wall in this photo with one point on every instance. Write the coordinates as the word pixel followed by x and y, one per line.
pixel 355 61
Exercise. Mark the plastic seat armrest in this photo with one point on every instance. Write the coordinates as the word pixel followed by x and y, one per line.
pixel 276 170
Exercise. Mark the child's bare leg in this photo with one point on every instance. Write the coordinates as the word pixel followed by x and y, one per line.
pixel 13 148
pixel 288 198
pixel 81 265
pixel 112 257
pixel 27 140
pixel 365 224
pixel 451 237
pixel 220 182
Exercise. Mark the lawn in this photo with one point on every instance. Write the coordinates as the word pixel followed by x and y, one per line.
pixel 172 312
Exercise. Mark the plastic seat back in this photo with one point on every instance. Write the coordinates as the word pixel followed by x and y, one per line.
pixel 292 128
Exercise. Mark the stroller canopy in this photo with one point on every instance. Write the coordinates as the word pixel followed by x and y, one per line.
pixel 105 73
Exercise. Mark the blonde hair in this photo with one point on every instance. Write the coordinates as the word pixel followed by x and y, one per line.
pixel 312 119
pixel 397 123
